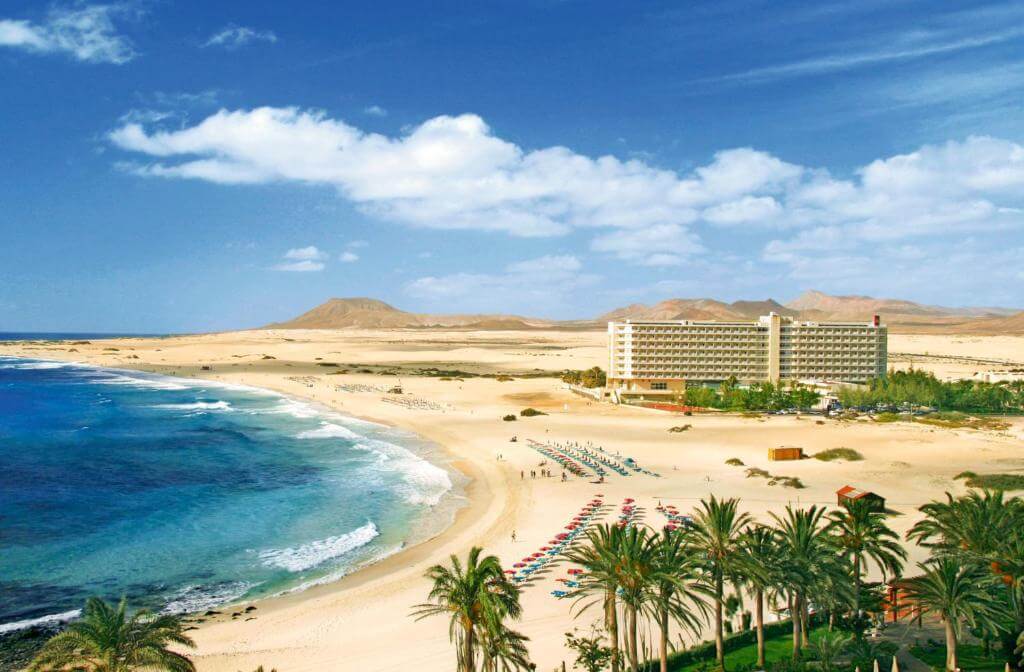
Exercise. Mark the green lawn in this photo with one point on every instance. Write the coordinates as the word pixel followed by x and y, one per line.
pixel 775 648
pixel 971 657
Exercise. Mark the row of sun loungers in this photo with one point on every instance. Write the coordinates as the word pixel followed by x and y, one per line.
pixel 566 462
pixel 354 388
pixel 525 568
pixel 676 521
pixel 308 381
pixel 617 463
pixel 415 403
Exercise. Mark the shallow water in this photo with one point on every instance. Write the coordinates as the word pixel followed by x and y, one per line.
pixel 184 494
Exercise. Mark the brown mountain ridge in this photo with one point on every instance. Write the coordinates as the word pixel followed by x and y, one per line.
pixel 899 315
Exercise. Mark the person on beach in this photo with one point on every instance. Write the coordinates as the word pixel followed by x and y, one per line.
pixel 513 536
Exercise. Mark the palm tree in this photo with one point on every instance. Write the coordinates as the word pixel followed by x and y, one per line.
pixel 761 551
pixel 600 557
pixel 477 599
pixel 503 649
pixel 977 523
pixel 715 536
pixel 862 535
pixel 959 593
pixel 635 572
pixel 674 593
pixel 107 639
pixel 830 646
pixel 803 541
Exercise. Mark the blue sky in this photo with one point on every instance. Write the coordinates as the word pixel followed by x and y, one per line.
pixel 172 166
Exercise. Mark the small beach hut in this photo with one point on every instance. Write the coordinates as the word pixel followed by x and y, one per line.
pixel 783 453
pixel 849 493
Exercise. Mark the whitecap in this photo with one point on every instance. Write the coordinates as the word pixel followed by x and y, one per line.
pixel 318 552
pixel 423 482
pixel 42 620
pixel 198 406
pixel 191 599
pixel 328 430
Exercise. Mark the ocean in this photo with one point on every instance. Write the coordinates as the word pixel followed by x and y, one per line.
pixel 186 494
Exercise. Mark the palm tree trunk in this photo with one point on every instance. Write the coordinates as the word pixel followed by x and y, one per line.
pixel 759 609
pixel 631 643
pixel 950 645
pixel 856 585
pixel 612 623
pixel 719 638
pixel 467 650
pixel 805 621
pixel 663 646
pixel 794 614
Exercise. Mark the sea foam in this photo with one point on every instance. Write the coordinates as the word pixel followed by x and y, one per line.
pixel 329 430
pixel 308 556
pixel 42 620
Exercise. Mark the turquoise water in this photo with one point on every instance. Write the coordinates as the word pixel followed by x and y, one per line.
pixel 185 494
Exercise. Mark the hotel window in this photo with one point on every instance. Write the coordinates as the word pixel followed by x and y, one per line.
pixel 659 386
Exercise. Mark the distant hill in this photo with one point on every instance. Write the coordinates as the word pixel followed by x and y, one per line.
pixel 818 305
pixel 697 309
pixel 364 313
pixel 899 315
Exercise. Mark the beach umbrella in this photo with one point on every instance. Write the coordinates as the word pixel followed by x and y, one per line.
pixel 895 665
pixel 876 664
pixel 519 564
pixel 509 571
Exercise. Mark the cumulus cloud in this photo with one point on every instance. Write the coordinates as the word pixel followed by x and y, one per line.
pixel 233 37
pixel 455 173
pixel 307 259
pixel 85 32
pixel 348 257
pixel 532 285
pixel 305 266
pixel 375 111
pixel 310 252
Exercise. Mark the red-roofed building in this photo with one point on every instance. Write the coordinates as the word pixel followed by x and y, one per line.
pixel 849 493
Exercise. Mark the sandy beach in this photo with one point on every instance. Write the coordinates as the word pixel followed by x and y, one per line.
pixel 362 621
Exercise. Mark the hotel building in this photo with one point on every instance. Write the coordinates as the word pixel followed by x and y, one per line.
pixel 666 356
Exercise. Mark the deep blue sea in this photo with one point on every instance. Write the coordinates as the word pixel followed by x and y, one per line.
pixel 184 494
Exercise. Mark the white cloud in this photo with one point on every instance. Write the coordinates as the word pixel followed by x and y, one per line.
pixel 454 173
pixel 85 32
pixel 658 245
pixel 348 257
pixel 311 252
pixel 233 37
pixel 531 286
pixel 375 111
pixel 305 266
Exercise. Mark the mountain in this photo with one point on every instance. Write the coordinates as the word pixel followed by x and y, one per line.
pixel 697 309
pixel 900 316
pixel 818 305
pixel 364 313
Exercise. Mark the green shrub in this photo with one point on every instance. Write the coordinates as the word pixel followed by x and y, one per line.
pixel 847 454
pixel 996 481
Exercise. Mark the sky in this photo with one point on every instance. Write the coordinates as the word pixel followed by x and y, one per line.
pixel 171 166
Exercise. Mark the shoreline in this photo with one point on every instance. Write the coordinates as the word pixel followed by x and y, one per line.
pixel 475 492
pixel 355 622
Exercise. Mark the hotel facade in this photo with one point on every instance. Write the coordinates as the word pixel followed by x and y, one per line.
pixel 653 357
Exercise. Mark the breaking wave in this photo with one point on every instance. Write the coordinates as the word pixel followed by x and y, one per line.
pixel 313 554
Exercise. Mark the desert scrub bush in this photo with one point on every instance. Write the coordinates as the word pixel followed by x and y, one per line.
pixel 887 417
pixel 791 482
pixel 965 474
pixel 679 428
pixel 756 472
pixel 846 454
pixel 531 412
pixel 503 378
pixel 734 462
pixel 509 418
pixel 996 481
